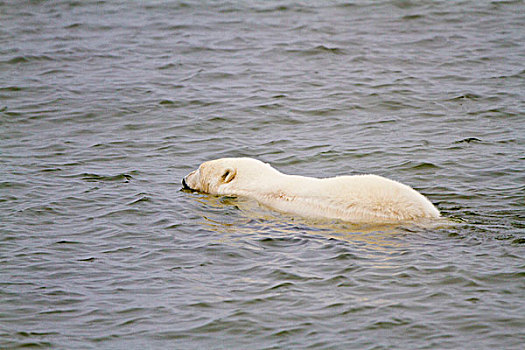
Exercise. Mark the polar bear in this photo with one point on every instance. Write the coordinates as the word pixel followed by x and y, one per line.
pixel 356 199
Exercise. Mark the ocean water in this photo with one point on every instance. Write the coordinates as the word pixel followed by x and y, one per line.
pixel 106 105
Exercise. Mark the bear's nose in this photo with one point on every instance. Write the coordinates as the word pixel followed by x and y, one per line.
pixel 184 184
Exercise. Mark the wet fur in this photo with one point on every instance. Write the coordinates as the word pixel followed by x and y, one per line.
pixel 360 198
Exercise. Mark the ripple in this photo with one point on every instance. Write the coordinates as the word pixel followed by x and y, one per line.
pixel 91 177
pixel 27 59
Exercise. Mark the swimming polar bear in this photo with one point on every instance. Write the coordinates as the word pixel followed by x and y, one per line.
pixel 356 199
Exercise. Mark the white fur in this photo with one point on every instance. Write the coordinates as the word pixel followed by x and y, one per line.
pixel 358 199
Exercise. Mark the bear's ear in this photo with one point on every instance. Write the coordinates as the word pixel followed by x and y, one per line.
pixel 228 175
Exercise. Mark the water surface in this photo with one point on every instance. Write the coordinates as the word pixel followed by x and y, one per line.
pixel 105 105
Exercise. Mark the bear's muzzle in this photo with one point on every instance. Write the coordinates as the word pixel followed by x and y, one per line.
pixel 185 185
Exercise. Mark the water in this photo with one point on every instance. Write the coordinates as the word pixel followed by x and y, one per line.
pixel 105 105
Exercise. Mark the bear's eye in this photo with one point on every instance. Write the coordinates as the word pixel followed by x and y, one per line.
pixel 225 175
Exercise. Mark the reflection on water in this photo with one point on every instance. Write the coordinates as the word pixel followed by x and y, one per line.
pixel 220 214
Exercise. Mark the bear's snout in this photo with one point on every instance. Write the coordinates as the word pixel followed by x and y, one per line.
pixel 189 182
pixel 185 185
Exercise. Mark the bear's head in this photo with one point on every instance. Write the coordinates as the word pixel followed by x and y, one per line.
pixel 226 176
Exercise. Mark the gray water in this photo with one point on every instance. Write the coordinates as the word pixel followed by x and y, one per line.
pixel 105 105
